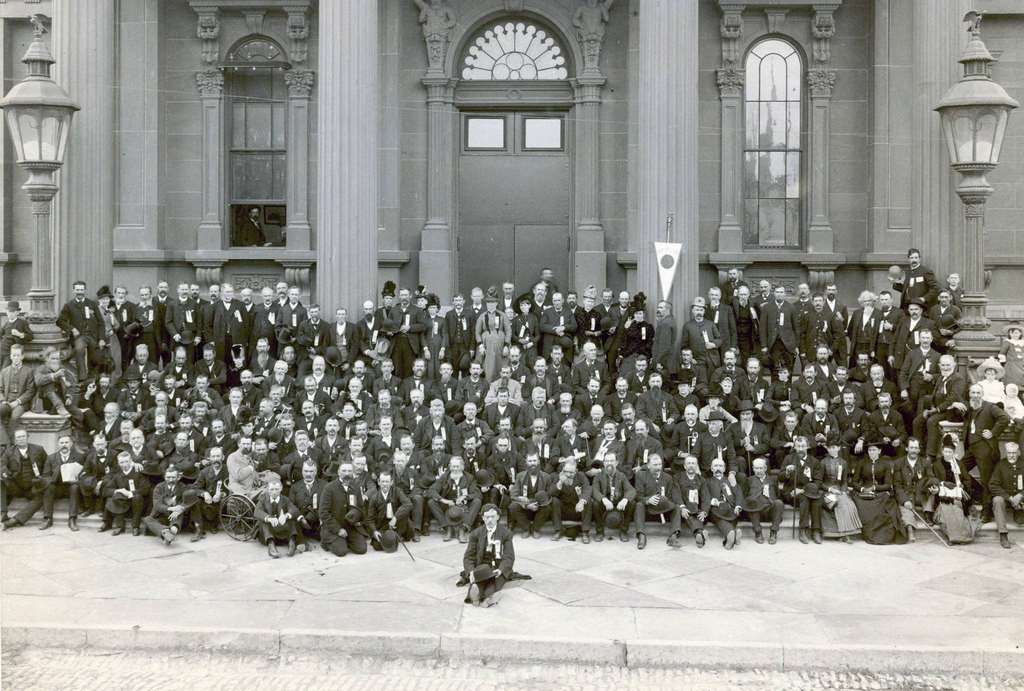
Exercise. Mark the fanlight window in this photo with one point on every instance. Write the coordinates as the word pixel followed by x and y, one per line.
pixel 772 145
pixel 257 51
pixel 514 51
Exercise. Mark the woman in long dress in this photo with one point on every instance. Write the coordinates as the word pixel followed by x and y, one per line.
pixel 492 333
pixel 876 505
pixel 953 494
pixel 839 519
pixel 1011 354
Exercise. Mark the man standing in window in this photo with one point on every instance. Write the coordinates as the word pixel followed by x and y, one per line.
pixel 250 231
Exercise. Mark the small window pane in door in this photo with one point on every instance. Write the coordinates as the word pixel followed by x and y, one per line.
pixel 543 133
pixel 485 133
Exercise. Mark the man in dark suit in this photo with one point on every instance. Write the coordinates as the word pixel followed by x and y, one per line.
pixel 170 512
pixel 984 424
pixel 804 475
pixel 702 338
pixel 722 316
pixel 409 324
pixel 276 515
pixel 946 402
pixel 460 335
pixel 390 510
pixel 663 350
pixel 81 322
pixel 230 324
pixel 343 335
pixel 311 339
pixel 918 283
pixel 908 333
pixel 58 486
pixel 778 330
pixel 344 518
pixel 183 323
pixel 762 499
pixel 21 475
pixel 558 326
pixel 488 549
pixel 264 320
pixel 657 493
pixel 17 387
pixel 454 500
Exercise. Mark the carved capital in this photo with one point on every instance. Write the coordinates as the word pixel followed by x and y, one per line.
pixel 298 32
pixel 298 274
pixel 208 31
pixel 823 28
pixel 731 30
pixel 300 82
pixel 730 81
pixel 819 277
pixel 209 274
pixel 210 83
pixel 821 82
pixel 438 20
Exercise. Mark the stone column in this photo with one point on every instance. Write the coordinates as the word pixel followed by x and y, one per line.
pixel 590 261
pixel 436 266
pixel 84 42
pixel 667 139
pixel 347 181
pixel 300 84
pixel 935 211
pixel 819 237
pixel 210 234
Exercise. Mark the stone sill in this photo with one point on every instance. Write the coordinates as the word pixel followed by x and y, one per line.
pixel 385 258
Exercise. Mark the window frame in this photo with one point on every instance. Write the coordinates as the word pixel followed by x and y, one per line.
pixel 803 135
pixel 505 138
pixel 524 117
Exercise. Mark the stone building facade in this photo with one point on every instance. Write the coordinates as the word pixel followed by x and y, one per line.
pixel 454 143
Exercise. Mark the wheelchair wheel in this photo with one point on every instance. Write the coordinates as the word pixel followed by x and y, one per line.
pixel 237 517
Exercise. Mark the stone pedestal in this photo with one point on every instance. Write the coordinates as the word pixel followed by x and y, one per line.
pixel 45 429
pixel 347 152
pixel 667 142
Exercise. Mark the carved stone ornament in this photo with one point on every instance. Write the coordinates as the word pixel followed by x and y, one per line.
pixel 298 32
pixel 210 83
pixel 731 29
pixel 298 274
pixel 590 20
pixel 300 82
pixel 208 31
pixel 821 82
pixel 208 274
pixel 823 28
pixel 730 81
pixel 438 20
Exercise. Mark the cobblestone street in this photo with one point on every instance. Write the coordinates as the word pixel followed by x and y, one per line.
pixel 44 670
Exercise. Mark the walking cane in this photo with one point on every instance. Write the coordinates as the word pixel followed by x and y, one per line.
pixel 406 547
pixel 796 510
pixel 929 526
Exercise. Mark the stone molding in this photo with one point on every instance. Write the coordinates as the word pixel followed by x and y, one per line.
pixel 730 81
pixel 821 82
pixel 731 30
pixel 210 83
pixel 208 31
pixel 300 83
pixel 298 33
pixel 823 28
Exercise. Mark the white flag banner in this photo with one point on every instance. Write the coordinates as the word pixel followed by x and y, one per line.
pixel 667 254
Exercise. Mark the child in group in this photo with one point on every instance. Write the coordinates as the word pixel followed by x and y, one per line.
pixel 989 376
pixel 1011 354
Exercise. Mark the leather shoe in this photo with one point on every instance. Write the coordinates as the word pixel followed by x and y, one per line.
pixel 447 535
pixel 196 537
pixel 599 537
pixel 11 525
pixel 586 538
pixel 641 540
pixel 773 537
pixel 673 541
pixel 557 535
pixel 462 582
pixel 272 549
pixel 103 529
pixel 700 538
pixel 803 536
pixel 624 536
pixel 730 539
pixel 1004 540
pixel 817 537
pixel 117 531
pixel 415 537
pixel 291 547
pixel 73 525
pixel 759 538
pixel 464 535
pixel 47 524
pixel 136 532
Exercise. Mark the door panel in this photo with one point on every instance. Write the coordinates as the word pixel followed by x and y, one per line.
pixel 481 248
pixel 537 247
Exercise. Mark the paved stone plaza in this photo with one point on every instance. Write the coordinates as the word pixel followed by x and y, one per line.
pixel 788 606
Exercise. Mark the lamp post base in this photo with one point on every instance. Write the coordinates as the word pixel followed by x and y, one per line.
pixel 975 340
pixel 45 334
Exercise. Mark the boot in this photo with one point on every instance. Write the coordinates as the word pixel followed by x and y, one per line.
pixel 673 541
pixel 759 538
pixel 197 536
pixel 817 537
pixel 730 539
pixel 73 524
pixel 557 535
pixel 448 534
pixel 910 534
pixel 1004 540
pixel 773 537
pixel 641 540
pixel 272 549
pixel 291 547
pixel 47 523
pixel 463 535
pixel 803 535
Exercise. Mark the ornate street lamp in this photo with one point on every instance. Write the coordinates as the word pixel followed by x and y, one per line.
pixel 38 114
pixel 974 114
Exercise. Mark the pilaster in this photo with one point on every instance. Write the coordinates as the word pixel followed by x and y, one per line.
pixel 436 260
pixel 347 183
pixel 300 85
pixel 590 259
pixel 820 238
pixel 210 235
pixel 85 46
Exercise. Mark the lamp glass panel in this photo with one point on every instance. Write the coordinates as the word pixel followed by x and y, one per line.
pixel 997 144
pixel 49 142
pixel 963 134
pixel 984 134
pixel 947 131
pixel 28 129
pixel 65 127
pixel 13 126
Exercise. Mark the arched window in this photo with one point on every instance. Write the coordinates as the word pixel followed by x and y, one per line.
pixel 257 150
pixel 772 145
pixel 514 51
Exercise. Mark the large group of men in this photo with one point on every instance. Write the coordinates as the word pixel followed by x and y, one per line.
pixel 595 414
